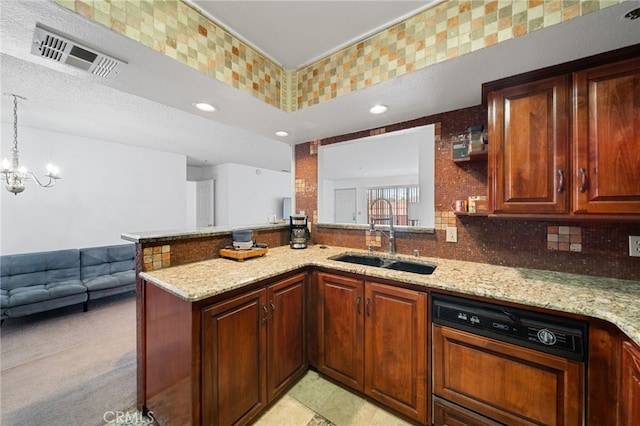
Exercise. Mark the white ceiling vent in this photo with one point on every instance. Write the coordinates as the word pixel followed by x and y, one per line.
pixel 60 49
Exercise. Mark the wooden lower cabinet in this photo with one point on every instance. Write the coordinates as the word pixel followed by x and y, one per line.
pixel 448 414
pixel 341 329
pixel 630 389
pixel 253 348
pixel 373 338
pixel 287 346
pixel 234 364
pixel 506 383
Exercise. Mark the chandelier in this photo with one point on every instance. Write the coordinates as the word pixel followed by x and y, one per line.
pixel 16 175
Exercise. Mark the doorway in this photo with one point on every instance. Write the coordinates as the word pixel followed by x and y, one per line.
pixel 345 205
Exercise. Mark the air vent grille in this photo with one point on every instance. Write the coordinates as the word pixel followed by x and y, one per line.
pixel 53 48
pixel 60 49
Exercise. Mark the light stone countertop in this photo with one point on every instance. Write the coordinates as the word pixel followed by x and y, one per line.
pixel 181 234
pixel 613 300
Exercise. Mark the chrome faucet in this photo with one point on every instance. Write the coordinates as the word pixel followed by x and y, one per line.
pixel 372 226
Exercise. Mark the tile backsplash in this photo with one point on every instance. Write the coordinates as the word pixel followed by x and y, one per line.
pixel 590 248
pixel 445 31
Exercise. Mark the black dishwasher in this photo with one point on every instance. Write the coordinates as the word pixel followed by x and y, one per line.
pixel 494 364
pixel 559 336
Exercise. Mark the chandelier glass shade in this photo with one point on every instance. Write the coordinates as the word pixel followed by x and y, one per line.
pixel 15 175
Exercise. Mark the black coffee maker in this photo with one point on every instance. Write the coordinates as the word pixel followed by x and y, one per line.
pixel 298 231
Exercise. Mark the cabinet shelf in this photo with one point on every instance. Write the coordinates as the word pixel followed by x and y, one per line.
pixel 473 158
pixel 483 214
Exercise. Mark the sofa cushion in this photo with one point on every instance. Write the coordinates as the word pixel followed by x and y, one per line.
pixel 94 262
pixel 125 277
pixel 39 293
pixel 99 261
pixel 4 298
pixel 102 282
pixel 37 269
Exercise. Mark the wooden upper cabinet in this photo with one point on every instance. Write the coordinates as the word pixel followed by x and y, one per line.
pixel 606 128
pixel 529 147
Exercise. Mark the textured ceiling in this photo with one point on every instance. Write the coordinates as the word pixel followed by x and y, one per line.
pixel 297 33
pixel 149 103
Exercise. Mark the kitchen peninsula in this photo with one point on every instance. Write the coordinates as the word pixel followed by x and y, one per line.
pixel 191 360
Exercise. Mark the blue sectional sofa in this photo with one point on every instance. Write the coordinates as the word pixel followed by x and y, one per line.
pixel 109 270
pixel 37 282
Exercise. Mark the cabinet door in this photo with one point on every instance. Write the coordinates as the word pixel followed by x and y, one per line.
pixel 396 348
pixel 286 356
pixel 528 148
pixel 607 139
pixel 448 414
pixel 234 359
pixel 630 392
pixel 504 382
pixel 341 329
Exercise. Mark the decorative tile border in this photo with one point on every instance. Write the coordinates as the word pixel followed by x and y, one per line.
pixel 564 238
pixel 373 239
pixel 444 219
pixel 445 31
pixel 154 258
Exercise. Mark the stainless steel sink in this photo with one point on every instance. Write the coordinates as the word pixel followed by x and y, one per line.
pixel 422 268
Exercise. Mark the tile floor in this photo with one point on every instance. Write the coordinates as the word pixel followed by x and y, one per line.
pixel 314 401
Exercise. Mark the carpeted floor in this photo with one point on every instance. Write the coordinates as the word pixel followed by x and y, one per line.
pixel 68 367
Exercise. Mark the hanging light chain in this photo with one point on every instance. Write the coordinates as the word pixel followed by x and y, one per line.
pixel 15 119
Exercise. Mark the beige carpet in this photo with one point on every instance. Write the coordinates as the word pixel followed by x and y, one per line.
pixel 68 367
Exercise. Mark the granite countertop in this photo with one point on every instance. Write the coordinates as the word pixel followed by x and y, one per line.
pixel 212 231
pixel 613 300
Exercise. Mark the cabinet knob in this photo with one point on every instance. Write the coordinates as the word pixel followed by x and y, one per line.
pixel 358 300
pixel 368 307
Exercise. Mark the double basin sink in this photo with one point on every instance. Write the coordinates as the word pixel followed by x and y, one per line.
pixel 387 263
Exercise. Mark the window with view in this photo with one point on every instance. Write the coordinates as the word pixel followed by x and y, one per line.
pixel 403 199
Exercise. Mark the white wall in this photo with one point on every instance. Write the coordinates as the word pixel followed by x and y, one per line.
pixel 246 195
pixel 106 189
pixel 191 205
pixel 361 186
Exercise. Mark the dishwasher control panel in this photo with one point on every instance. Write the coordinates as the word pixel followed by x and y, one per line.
pixel 552 334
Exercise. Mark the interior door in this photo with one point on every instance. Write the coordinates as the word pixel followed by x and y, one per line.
pixel 345 205
pixel 204 203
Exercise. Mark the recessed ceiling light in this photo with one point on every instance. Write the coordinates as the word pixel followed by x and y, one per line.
pixel 378 109
pixel 203 106
pixel 282 133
